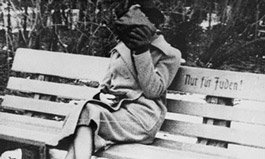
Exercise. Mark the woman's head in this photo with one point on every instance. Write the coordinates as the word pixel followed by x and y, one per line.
pixel 150 10
pixel 140 13
pixel 147 7
pixel 133 18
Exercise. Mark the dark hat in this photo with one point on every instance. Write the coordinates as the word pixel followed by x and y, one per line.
pixel 150 10
pixel 143 3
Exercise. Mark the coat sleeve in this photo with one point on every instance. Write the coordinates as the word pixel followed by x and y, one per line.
pixel 106 81
pixel 154 80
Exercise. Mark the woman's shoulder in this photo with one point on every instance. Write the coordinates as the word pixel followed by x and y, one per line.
pixel 165 47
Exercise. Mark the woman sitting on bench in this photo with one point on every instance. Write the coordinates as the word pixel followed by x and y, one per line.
pixel 130 107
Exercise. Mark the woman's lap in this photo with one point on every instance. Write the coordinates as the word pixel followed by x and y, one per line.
pixel 117 126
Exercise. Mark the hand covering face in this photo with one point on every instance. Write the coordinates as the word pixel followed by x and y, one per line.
pixel 134 17
pixel 135 30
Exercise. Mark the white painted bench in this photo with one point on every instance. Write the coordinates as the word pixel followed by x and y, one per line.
pixel 194 129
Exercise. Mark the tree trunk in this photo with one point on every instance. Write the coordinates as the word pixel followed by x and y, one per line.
pixel 257 21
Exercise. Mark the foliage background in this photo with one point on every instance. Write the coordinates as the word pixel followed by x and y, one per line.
pixel 233 38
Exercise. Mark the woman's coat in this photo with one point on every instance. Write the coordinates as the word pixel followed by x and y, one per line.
pixel 148 74
pixel 144 78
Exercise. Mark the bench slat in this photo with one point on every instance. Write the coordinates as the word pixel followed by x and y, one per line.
pixel 50 88
pixel 216 111
pixel 179 138
pixel 30 123
pixel 37 105
pixel 215 132
pixel 244 152
pixel 220 83
pixel 138 151
pixel 199 148
pixel 60 64
pixel 248 127
pixel 233 151
pixel 25 134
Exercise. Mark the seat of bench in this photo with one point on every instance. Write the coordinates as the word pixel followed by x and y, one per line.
pixel 139 151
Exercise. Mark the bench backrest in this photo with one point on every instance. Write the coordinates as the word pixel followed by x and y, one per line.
pixel 220 108
pixel 35 90
pixel 191 121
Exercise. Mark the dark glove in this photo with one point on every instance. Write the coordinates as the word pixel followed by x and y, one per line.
pixel 139 39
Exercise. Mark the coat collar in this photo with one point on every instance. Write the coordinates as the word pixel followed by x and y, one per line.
pixel 126 55
pixel 159 42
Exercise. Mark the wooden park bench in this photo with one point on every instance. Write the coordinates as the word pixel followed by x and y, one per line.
pixel 212 114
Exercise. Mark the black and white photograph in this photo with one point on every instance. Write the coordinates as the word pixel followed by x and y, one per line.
pixel 132 79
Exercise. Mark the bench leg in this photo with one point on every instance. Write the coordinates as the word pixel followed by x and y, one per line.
pixel 43 152
pixel 30 149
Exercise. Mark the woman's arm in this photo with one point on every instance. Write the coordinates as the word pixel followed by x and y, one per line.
pixel 154 80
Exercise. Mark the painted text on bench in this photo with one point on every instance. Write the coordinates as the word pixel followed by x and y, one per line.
pixel 215 83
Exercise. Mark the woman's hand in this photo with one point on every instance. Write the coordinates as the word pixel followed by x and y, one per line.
pixel 107 98
pixel 138 39
pixel 111 97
